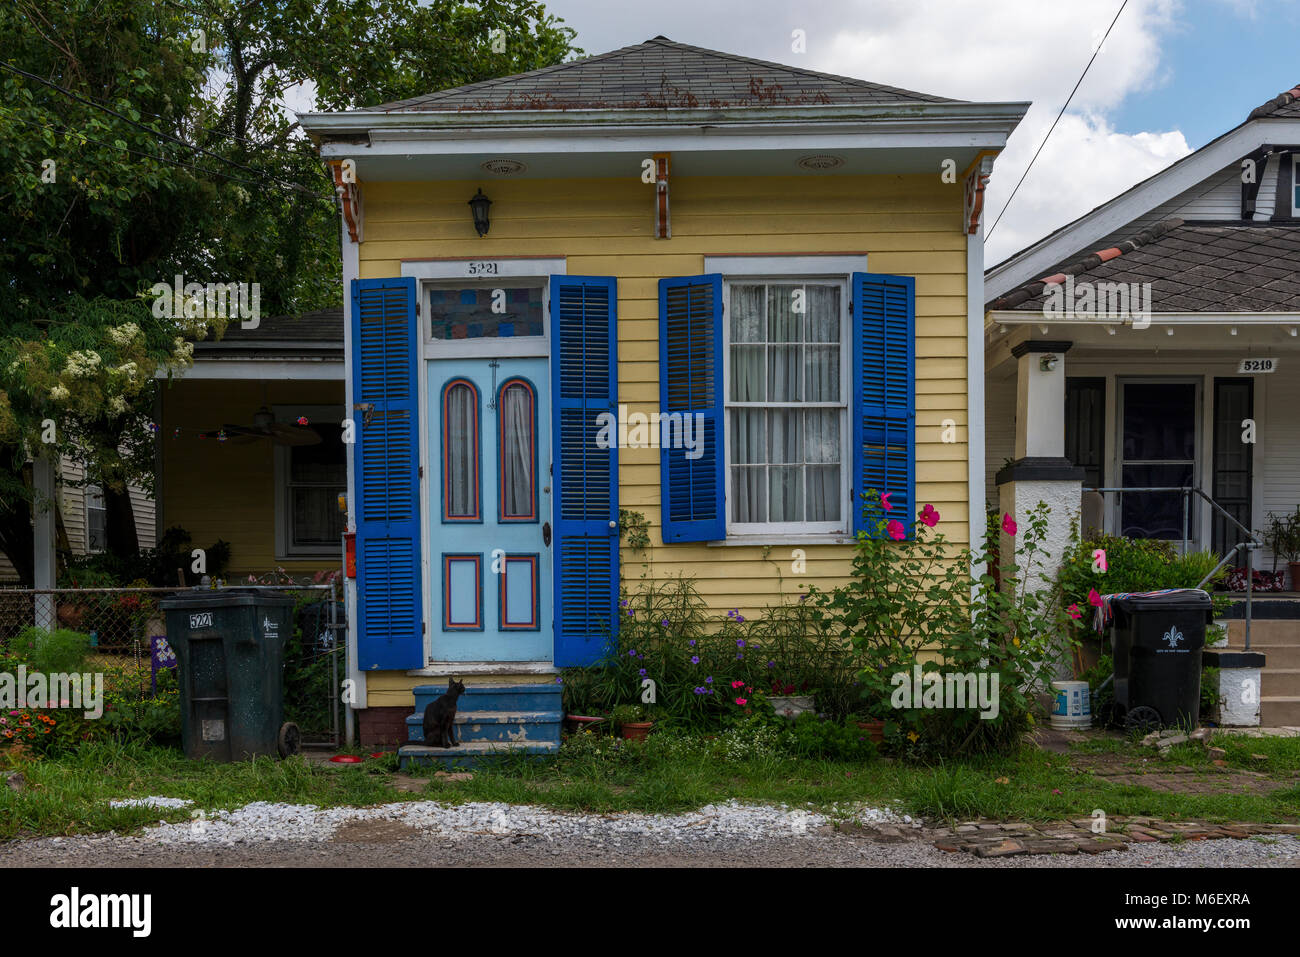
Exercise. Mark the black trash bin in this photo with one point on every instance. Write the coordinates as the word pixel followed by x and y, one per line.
pixel 229 646
pixel 1157 642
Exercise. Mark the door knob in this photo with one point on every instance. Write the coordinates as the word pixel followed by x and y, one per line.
pixel 546 533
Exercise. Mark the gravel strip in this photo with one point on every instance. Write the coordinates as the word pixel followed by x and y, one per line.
pixel 423 834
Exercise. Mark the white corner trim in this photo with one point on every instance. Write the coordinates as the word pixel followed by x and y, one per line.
pixel 785 265
pixel 496 268
pixel 975 451
pixel 351 269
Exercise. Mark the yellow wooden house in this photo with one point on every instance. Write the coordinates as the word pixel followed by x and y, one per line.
pixel 727 294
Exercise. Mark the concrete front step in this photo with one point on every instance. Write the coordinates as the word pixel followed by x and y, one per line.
pixel 1275 656
pixel 1279 681
pixel 469 754
pixel 506 726
pixel 1265 631
pixel 1278 711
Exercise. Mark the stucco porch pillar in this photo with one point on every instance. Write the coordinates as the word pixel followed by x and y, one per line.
pixel 1040 471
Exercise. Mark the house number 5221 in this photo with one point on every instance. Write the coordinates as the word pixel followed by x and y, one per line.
pixel 484 268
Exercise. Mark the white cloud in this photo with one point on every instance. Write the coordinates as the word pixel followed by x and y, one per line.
pixel 969 50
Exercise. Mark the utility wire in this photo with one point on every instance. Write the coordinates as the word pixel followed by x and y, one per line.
pixel 189 146
pixel 1055 121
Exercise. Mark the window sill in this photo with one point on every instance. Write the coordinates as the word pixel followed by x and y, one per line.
pixel 786 538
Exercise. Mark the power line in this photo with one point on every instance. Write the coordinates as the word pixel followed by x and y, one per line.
pixel 1055 121
pixel 189 146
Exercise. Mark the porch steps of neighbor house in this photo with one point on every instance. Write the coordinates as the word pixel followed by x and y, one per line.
pixel 1274 633
pixel 491 719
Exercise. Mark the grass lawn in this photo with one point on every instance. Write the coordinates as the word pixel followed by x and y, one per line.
pixel 673 773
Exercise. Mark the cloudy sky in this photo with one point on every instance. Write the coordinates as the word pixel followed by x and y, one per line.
pixel 1173 75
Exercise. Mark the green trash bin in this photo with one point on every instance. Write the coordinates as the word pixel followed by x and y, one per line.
pixel 229 646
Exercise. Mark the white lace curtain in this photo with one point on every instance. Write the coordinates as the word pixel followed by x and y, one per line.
pixel 517 450
pixel 460 443
pixel 785 462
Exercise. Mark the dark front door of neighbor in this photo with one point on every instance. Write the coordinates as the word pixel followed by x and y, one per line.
pixel 1158 442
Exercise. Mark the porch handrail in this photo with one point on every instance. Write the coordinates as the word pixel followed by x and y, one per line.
pixel 1249 545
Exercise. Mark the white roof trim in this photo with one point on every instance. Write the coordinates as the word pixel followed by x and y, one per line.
pixel 1032 263
pixel 1013 317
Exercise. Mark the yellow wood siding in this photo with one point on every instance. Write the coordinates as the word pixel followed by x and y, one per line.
pixel 226 490
pixel 909 225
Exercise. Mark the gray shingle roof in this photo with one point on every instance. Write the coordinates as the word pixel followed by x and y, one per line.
pixel 1284 105
pixel 319 329
pixel 1193 267
pixel 659 74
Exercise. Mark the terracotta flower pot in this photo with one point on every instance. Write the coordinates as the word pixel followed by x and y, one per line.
pixel 636 730
pixel 875 730
pixel 582 722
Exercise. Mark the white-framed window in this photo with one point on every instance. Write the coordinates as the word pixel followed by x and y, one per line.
pixel 1295 185
pixel 308 481
pixel 786 399
pixel 96 520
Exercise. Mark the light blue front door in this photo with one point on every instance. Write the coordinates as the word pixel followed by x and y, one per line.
pixel 490 504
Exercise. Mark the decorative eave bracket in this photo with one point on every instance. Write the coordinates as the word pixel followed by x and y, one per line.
pixel 349 193
pixel 663 224
pixel 977 178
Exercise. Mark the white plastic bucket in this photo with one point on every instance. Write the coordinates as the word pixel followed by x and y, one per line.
pixel 1071 709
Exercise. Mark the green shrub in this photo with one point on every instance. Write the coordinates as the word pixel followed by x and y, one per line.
pixel 814 737
pixel 57 651
pixel 1132 565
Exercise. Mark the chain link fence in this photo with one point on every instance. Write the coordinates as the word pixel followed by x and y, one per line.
pixel 128 623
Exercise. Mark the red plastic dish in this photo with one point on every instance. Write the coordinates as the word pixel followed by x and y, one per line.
pixel 346 759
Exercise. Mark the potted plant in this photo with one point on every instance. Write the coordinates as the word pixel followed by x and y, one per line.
pixel 632 721
pixel 1283 539
pixel 789 701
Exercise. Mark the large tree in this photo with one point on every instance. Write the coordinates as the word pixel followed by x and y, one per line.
pixel 140 140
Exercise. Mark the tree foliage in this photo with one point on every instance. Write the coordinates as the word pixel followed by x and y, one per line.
pixel 146 140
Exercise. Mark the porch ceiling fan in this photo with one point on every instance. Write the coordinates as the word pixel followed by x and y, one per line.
pixel 264 426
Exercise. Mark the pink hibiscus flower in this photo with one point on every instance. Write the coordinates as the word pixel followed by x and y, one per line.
pixel 930 516
pixel 1094 599
pixel 1008 524
pixel 884 501
pixel 1074 611
pixel 895 530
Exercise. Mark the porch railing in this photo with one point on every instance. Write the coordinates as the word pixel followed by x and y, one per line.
pixel 1248 546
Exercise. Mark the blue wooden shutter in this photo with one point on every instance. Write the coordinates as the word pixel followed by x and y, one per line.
pixel 385 338
pixel 690 384
pixel 884 396
pixel 584 384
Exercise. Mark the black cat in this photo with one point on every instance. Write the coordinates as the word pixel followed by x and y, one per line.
pixel 440 717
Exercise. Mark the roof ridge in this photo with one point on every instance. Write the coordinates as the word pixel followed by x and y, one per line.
pixel 553 68
pixel 1089 261
pixel 1285 98
pixel 485 86
pixel 796 69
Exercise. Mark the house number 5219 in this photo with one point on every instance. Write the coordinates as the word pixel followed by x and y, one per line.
pixel 484 268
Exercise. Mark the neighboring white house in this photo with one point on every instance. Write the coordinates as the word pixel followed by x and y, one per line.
pixel 1153 342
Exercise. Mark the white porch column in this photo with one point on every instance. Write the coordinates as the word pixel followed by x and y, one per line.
pixel 43 551
pixel 1040 472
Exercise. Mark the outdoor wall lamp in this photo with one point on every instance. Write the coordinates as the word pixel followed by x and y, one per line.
pixel 1047 363
pixel 479 207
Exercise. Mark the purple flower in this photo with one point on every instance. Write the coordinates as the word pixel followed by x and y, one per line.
pixel 709 680
pixel 559 681
pixel 632 653
pixel 623 603
pixel 691 642
pixel 642 672
pixel 740 642
pixel 732 613
pixel 631 613
pixel 664 622
pixel 771 664
pixel 740 619
pixel 695 659
pixel 739 656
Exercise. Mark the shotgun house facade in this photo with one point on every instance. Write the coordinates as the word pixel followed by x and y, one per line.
pixel 727 294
